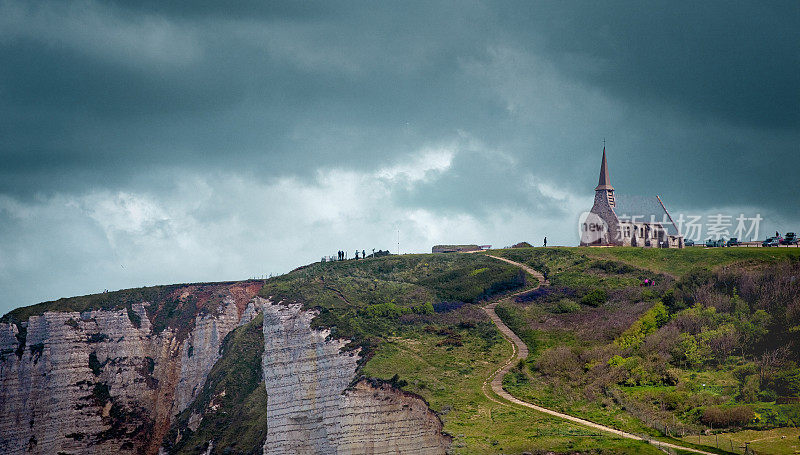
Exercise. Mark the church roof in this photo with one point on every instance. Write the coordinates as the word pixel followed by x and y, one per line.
pixel 644 209
pixel 605 181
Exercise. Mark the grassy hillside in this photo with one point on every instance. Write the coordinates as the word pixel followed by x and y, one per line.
pixel 714 343
pixel 419 319
pixel 678 262
pixel 369 300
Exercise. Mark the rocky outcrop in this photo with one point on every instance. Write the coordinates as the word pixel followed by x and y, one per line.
pixel 114 380
pixel 101 381
pixel 380 419
pixel 312 409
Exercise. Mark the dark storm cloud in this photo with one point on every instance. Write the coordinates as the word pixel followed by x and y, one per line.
pixel 700 102
pixel 737 61
pixel 329 83
pixel 230 91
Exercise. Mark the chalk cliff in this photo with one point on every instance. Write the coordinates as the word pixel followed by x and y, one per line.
pixel 113 380
pixel 311 407
pixel 103 381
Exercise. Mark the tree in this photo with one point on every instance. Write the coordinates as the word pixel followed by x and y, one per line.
pixel 688 351
pixel 754 328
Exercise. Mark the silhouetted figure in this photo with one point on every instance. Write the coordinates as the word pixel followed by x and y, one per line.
pixel 356 254
pixel 363 254
pixel 545 242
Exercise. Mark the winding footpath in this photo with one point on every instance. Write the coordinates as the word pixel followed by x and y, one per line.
pixel 495 380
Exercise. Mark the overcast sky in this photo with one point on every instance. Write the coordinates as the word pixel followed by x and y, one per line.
pixel 152 142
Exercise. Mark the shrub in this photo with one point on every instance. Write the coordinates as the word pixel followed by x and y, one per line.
pixel 787 382
pixel 767 395
pixel 566 306
pixel 672 303
pixel 135 319
pixel 726 417
pixel 560 361
pixel 750 388
pixel 595 298
pixel 95 365
pixel 649 322
pixel 397 383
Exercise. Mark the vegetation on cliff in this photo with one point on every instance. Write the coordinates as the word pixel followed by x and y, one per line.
pixel 712 343
pixel 369 300
pixel 232 407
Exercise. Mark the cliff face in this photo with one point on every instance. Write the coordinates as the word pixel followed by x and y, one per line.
pixel 102 381
pixel 114 380
pixel 311 409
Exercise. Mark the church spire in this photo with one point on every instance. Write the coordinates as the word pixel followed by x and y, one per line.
pixel 605 182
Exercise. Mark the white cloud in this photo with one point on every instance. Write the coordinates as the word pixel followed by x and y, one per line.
pixel 419 166
pixel 231 226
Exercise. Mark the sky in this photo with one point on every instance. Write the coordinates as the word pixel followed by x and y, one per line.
pixel 155 142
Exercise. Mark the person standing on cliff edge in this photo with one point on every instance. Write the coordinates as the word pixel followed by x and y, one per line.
pixel 545 242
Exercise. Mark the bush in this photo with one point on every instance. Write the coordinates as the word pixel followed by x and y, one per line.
pixel 726 417
pixel 653 319
pixel 767 395
pixel 595 298
pixel 566 306
pixel 787 382
pixel 750 387
pixel 560 361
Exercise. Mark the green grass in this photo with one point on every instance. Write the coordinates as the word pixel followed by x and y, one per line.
pixel 678 262
pixel 778 441
pixel 533 389
pixel 674 262
pixel 386 306
pixel 105 301
pixel 368 300
pixel 578 269
pixel 450 379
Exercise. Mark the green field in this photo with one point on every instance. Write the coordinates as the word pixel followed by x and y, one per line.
pixel 678 262
pixel 780 441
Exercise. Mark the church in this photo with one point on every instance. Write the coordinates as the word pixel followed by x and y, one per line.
pixel 617 220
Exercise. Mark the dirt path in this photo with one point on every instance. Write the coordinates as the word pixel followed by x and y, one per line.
pixel 495 380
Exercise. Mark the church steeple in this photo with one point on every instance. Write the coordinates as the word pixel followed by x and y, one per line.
pixel 605 181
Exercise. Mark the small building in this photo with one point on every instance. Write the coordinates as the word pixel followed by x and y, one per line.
pixel 617 220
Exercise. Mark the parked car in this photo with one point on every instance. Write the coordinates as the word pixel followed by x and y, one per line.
pixel 790 239
pixel 733 241
pixel 772 241
pixel 688 242
pixel 715 243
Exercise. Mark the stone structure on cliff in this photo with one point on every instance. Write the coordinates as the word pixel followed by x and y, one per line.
pixel 616 220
